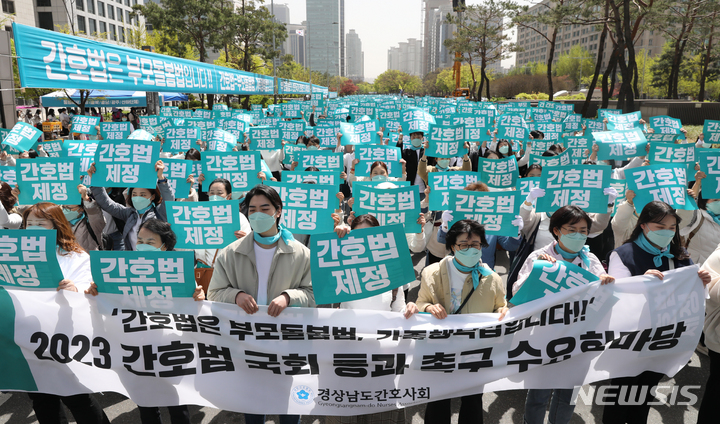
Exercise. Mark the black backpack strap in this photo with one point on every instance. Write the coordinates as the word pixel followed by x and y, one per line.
pixel 465 301
pixel 92 233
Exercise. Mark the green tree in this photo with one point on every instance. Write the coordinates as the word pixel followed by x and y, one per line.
pixel 483 34
pixel 576 63
pixel 365 88
pixel 392 81
pixel 139 37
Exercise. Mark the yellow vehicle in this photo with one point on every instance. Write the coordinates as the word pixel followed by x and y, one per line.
pixel 461 92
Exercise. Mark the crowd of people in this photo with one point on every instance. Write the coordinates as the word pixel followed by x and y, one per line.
pixel 269 266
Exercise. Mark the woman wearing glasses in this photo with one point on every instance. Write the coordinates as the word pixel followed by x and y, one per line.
pixel 460 283
pixel 569 227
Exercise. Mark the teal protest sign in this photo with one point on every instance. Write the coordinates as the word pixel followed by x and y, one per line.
pixel 442 182
pixel 390 206
pixel 389 119
pixel 48 180
pixel 204 225
pixel 290 152
pixel 526 184
pixel 603 113
pixel 578 185
pixel 290 131
pixel 476 126
pixel 538 147
pixel 240 168
pixel 364 263
pixel 495 210
pixel 377 183
pixel 446 141
pixel 265 138
pixel 320 159
pixel 579 148
pixel 181 138
pixel 7 174
pixel 29 260
pixel 710 165
pixel 290 110
pixel 177 172
pixel 552 131
pixel 307 208
pixel 364 132
pixel 620 186
pixel 664 124
pixel 711 132
pixel 149 122
pixel 219 140
pixel 167 111
pixel 83 149
pixel 323 178
pixel 666 182
pixel 662 138
pixel 115 130
pixel 416 120
pixel 499 173
pixel 512 127
pixel 542 115
pixel 592 125
pixel 22 137
pixel 327 134
pixel 547 278
pixel 562 159
pixel 126 163
pixel 620 144
pixel 572 123
pixel 236 127
pixel 53 148
pixel 623 121
pixel 203 114
pixel 674 153
pixel 367 155
pixel 84 124
pixel 150 278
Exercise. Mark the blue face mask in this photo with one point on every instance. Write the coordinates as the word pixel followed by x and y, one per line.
pixel 261 222
pixel 71 216
pixel 443 164
pixel 573 242
pixel 468 257
pixel 660 238
pixel 312 147
pixel 147 248
pixel 713 207
pixel 504 149
pixel 416 142
pixel 34 227
pixel 380 178
pixel 214 198
pixel 141 203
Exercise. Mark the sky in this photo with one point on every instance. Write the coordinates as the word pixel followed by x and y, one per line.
pixel 380 24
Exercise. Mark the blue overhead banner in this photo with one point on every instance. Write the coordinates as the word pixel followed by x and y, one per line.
pixel 286 86
pixel 52 59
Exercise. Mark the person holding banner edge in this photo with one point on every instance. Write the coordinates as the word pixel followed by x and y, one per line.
pixel 460 283
pixel 75 265
pixel 569 227
pixel 653 247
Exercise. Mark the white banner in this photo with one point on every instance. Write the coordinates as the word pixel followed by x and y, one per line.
pixel 342 362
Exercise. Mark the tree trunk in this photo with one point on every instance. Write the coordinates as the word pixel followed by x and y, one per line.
pixel 551 54
pixel 628 68
pixel 706 62
pixel 609 74
pixel 674 73
pixel 598 67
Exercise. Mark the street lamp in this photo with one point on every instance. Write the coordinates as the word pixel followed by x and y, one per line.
pixel 307 50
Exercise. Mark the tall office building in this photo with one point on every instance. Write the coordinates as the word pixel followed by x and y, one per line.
pixel 355 57
pixel 325 38
pixel 295 42
pixel 435 31
pixel 281 11
pixel 407 57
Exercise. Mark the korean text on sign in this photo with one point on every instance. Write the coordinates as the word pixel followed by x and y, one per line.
pixel 578 185
pixel 204 225
pixel 621 144
pixel 442 182
pixel 126 163
pixel 265 138
pixel 446 141
pixel 367 155
pixel 364 132
pixel 148 279
pixel 710 165
pixel 494 210
pixel 48 180
pixel 240 168
pixel 321 159
pixel 22 137
pixel 390 206
pixel 323 177
pixel 307 208
pixel 177 172
pixel 115 130
pixel 546 278
pixel 364 263
pixel 499 173
pixel 28 259
pixel 181 138
pixel 84 124
pixel 667 183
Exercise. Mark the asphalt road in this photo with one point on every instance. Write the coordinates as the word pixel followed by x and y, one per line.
pixel 500 407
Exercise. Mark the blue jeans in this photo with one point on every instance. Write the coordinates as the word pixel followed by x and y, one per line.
pixel 260 419
pixel 560 409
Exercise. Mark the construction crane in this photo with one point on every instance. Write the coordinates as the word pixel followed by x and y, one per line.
pixel 458 6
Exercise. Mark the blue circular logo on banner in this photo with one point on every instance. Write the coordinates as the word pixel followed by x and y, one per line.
pixel 302 395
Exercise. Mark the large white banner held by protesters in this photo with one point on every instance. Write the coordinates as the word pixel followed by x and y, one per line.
pixel 342 362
